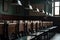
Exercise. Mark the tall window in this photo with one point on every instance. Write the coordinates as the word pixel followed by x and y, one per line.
pixel 56 8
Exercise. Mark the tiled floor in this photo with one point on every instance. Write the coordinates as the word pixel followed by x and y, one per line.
pixel 56 37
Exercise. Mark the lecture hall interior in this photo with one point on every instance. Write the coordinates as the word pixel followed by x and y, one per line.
pixel 29 19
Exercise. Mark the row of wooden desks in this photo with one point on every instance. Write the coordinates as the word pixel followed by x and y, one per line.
pixel 40 35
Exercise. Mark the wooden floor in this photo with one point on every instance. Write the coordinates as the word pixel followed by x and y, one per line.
pixel 56 37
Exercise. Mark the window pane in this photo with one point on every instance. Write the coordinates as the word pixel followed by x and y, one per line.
pixel 56 3
pixel 56 10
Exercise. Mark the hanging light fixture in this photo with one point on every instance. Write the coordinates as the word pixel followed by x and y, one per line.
pixel 43 11
pixel 19 2
pixel 30 7
pixel 37 10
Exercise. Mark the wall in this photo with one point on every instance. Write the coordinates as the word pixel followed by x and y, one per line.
pixel 11 9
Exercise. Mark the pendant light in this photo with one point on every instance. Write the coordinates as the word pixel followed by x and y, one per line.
pixel 43 11
pixel 19 2
pixel 30 7
pixel 37 10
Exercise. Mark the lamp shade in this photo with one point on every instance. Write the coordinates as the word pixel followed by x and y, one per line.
pixel 19 2
pixel 37 9
pixel 30 7
pixel 43 11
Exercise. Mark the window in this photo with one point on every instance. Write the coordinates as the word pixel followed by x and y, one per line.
pixel 56 3
pixel 56 8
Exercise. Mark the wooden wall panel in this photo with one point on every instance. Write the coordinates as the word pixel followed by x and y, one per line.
pixel 40 6
pixel 11 28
